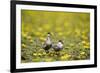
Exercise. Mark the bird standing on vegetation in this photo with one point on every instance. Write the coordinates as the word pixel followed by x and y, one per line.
pixel 58 47
pixel 48 43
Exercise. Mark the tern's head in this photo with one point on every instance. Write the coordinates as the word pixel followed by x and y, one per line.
pixel 61 41
pixel 49 34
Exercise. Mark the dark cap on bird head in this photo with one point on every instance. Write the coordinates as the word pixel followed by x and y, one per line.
pixel 49 33
pixel 61 41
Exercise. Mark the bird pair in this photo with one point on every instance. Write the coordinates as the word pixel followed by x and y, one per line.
pixel 48 44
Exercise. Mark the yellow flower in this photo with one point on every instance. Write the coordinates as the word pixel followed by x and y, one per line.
pixel 65 57
pixel 39 54
pixel 48 59
pixel 24 34
pixel 36 59
pixel 37 33
pixel 83 42
pixel 60 33
pixel 44 53
pixel 31 41
pixel 23 46
pixel 82 53
pixel 84 32
pixel 40 29
pixel 87 43
pixel 84 37
pixel 29 37
pixel 34 54
pixel 86 46
pixel 42 38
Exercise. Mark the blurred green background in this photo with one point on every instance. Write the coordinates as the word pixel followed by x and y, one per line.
pixel 73 28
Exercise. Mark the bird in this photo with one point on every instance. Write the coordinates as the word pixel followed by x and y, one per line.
pixel 48 43
pixel 58 47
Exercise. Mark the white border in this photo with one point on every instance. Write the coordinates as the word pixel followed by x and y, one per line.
pixel 20 65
